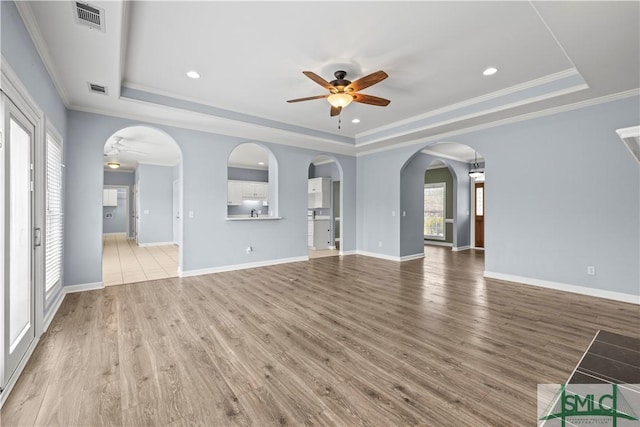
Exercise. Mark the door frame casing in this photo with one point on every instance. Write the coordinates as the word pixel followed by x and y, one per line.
pixel 16 92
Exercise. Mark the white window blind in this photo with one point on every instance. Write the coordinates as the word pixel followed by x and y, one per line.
pixel 55 215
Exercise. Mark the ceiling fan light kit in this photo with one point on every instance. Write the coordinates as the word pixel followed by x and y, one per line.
pixel 342 91
pixel 340 100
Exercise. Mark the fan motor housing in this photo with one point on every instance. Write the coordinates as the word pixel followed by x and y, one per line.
pixel 340 79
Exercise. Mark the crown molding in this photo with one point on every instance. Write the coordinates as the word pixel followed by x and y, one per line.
pixel 24 9
pixel 473 101
pixel 515 119
pixel 220 126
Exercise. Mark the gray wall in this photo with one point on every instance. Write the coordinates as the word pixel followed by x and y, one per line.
pixel 412 204
pixel 209 240
pixel 242 174
pixel 125 179
pixel 155 186
pixel 547 217
pixel 21 54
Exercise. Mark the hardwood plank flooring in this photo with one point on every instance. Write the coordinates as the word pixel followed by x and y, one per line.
pixel 332 341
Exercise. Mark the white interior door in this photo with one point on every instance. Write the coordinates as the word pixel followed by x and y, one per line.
pixel 177 215
pixel 18 276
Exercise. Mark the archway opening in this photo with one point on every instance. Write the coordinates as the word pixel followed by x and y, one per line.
pixel 324 207
pixel 443 197
pixel 142 206
pixel 252 182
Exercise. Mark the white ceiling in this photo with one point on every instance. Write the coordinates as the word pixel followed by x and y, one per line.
pixel 141 144
pixel 251 56
pixel 249 155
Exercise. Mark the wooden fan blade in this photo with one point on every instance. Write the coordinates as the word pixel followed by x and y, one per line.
pixel 366 81
pixel 371 100
pixel 335 110
pixel 322 82
pixel 308 98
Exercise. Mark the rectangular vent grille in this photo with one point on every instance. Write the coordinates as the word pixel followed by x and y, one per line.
pixel 90 16
pixel 102 90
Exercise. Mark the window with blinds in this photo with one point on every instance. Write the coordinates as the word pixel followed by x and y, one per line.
pixel 434 210
pixel 55 216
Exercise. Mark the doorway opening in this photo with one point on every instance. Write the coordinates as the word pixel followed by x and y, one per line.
pixel 324 207
pixel 142 200
pixel 442 200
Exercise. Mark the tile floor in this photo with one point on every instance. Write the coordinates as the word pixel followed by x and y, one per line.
pixel 322 253
pixel 125 262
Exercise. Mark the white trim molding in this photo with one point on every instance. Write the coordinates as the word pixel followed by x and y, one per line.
pixel 146 245
pixel 583 290
pixel 460 248
pixel 345 253
pixel 213 270
pixel 391 257
pixel 54 309
pixel 412 257
pixel 69 289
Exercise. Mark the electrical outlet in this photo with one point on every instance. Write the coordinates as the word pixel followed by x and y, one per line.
pixel 393 213
pixel 249 249
pixel 591 270
pixel 380 244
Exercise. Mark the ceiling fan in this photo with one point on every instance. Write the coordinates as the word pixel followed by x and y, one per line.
pixel 118 147
pixel 342 91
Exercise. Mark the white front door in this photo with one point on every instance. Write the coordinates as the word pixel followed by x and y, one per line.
pixel 18 308
pixel 177 215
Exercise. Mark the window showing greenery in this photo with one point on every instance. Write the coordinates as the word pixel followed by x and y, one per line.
pixel 434 210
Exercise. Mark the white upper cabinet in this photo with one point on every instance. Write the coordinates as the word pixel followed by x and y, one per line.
pixel 319 193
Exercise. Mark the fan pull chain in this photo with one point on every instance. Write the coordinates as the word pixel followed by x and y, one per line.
pixel 339 121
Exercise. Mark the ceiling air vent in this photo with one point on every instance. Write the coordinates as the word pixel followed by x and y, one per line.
pixel 102 90
pixel 89 16
pixel 631 138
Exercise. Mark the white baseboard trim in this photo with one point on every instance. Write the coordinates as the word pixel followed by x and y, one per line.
pixel 333 248
pixel 114 234
pixel 54 309
pixel 391 257
pixel 200 272
pixel 411 257
pixel 583 290
pixel 376 255
pixel 145 245
pixel 435 243
pixel 83 287
pixel 345 253
pixel 460 248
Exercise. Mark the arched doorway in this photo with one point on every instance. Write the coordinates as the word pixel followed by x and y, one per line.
pixel 252 182
pixel 441 203
pixel 324 207
pixel 142 206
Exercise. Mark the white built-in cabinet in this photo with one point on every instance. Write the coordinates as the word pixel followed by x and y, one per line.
pixel 110 197
pixel 234 193
pixel 319 193
pixel 237 191
pixel 318 234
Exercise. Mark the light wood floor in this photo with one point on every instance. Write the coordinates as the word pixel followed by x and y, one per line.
pixel 333 341
pixel 125 262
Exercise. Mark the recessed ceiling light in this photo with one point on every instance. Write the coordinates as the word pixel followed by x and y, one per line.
pixel 193 74
pixel 355 121
pixel 490 71
pixel 261 163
